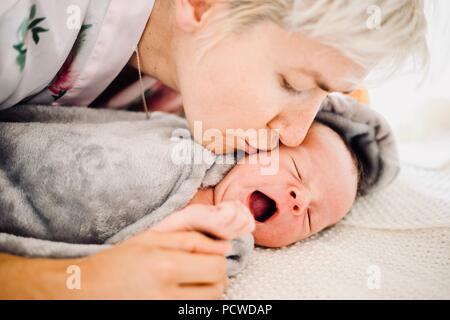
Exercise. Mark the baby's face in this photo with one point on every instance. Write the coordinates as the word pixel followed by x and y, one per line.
pixel 314 188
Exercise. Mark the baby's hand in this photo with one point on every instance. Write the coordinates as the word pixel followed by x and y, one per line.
pixel 226 221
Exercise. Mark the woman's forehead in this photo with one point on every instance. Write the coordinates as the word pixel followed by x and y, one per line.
pixel 298 53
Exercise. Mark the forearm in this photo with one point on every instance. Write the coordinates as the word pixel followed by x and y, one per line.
pixel 23 278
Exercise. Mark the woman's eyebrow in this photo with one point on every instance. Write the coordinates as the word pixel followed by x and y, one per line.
pixel 320 81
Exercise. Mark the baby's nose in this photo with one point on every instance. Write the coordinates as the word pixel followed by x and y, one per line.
pixel 298 201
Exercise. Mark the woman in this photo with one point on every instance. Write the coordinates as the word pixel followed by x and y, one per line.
pixel 252 62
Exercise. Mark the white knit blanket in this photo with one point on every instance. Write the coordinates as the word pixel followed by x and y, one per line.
pixel 393 245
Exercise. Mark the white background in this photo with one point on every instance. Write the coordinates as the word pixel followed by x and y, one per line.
pixel 418 107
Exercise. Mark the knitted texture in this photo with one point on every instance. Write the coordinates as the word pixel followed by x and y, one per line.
pixel 395 244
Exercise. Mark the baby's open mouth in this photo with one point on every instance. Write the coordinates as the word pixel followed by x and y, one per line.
pixel 261 206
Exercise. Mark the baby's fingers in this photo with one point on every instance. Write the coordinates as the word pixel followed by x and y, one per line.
pixel 227 221
pixel 235 220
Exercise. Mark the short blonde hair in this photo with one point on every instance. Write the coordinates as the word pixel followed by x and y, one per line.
pixel 347 25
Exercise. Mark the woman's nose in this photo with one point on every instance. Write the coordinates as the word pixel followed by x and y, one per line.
pixel 293 122
pixel 299 201
pixel 292 128
pixel 293 134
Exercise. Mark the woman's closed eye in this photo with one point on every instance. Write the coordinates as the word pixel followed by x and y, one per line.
pixel 289 88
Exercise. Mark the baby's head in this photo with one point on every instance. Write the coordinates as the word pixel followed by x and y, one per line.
pixel 349 151
pixel 314 188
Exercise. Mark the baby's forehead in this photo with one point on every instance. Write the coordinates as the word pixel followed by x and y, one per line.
pixel 320 134
pixel 323 146
pixel 319 141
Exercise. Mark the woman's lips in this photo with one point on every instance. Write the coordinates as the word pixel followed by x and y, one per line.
pixel 262 207
pixel 249 149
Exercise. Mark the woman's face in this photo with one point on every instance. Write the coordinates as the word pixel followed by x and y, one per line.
pixel 261 79
pixel 314 187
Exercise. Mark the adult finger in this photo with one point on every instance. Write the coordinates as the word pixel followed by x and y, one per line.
pixel 195 269
pixel 189 241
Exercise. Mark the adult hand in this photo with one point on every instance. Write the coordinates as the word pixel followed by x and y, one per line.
pixel 152 265
pixel 183 265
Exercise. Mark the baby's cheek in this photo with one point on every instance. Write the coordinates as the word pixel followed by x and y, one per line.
pixel 290 233
pixel 278 236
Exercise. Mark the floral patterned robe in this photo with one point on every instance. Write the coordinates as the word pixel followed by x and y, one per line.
pixel 65 52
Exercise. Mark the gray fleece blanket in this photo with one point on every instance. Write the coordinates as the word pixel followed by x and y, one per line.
pixel 74 181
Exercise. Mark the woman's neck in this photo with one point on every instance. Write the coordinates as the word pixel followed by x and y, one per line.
pixel 156 49
pixel 204 196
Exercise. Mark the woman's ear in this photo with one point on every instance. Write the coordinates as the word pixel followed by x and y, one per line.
pixel 190 14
